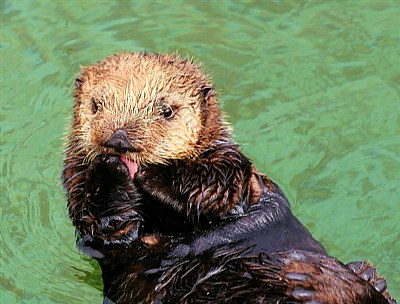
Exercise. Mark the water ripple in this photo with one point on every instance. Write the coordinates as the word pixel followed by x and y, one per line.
pixel 311 88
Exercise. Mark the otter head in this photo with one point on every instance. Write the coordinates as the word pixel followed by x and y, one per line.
pixel 147 108
pixel 140 110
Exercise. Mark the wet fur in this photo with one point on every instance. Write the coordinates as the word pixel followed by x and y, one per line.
pixel 221 231
pixel 238 259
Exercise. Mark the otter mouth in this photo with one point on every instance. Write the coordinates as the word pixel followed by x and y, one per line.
pixel 133 167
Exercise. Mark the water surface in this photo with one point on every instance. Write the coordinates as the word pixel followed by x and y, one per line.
pixel 311 88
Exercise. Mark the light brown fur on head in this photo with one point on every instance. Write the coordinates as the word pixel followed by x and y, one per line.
pixel 131 91
pixel 130 94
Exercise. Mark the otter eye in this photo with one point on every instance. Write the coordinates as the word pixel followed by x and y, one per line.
pixel 95 107
pixel 168 112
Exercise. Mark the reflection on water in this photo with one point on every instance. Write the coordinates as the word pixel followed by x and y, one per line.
pixel 311 89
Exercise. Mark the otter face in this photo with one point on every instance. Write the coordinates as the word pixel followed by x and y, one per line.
pixel 150 108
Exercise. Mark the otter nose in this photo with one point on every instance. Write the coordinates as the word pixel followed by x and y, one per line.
pixel 119 141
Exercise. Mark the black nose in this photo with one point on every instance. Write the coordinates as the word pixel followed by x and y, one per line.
pixel 119 141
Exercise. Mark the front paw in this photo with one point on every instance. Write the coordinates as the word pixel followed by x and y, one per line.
pixel 120 229
pixel 112 200
pixel 107 175
pixel 108 168
pixel 113 235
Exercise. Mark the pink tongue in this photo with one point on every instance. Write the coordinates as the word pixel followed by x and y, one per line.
pixel 132 166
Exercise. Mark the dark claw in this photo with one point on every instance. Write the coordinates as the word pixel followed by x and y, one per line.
pixel 380 285
pixel 302 294
pixel 297 276
pixel 369 274
pixel 355 266
pixel 364 270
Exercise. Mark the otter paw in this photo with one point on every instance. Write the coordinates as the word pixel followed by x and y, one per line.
pixel 112 200
pixel 106 175
pixel 120 229
pixel 108 168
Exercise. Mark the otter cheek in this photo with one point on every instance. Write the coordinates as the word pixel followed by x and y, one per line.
pixel 132 166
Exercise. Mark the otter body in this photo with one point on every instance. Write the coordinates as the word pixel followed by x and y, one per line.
pixel 171 208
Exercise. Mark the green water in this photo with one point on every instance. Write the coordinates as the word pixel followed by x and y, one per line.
pixel 311 88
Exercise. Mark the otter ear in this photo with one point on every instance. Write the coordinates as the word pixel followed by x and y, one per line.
pixel 207 91
pixel 78 82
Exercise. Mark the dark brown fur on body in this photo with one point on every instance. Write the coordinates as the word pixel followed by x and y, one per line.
pixel 200 268
pixel 171 208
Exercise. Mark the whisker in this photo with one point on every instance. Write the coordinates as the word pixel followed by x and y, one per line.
pixel 73 177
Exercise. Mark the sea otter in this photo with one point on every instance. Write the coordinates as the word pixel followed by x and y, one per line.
pixel 173 211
